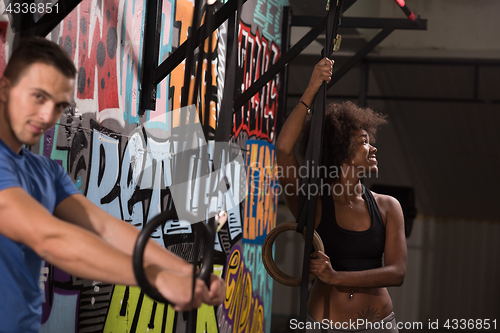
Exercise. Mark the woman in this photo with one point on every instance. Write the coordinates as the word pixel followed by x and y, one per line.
pixel 356 225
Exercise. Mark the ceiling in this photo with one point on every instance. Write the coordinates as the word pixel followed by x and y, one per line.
pixel 440 90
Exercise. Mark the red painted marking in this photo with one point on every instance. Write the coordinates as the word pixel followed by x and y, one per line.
pixel 401 3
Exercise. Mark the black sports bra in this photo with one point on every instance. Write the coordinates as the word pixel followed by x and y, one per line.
pixel 352 250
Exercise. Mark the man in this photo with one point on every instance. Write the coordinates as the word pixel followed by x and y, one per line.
pixel 42 214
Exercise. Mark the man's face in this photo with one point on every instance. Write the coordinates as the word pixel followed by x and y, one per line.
pixel 33 105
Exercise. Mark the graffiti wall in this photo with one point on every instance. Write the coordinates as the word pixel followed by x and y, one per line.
pixel 123 160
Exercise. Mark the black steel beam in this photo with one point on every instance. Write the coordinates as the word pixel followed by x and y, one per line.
pixel 179 54
pixel 409 99
pixel 382 23
pixel 364 22
pixel 151 51
pixel 439 61
pixel 305 21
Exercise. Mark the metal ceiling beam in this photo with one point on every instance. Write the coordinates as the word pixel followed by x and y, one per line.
pixel 434 61
pixel 155 74
pixel 148 93
pixel 364 23
pixel 387 25
pixel 411 99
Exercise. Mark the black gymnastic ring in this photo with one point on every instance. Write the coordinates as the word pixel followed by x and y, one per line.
pixel 208 235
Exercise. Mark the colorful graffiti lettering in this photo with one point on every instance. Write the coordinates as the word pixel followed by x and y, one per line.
pixel 243 310
pixel 267 15
pixel 260 206
pixel 255 56
pixel 138 183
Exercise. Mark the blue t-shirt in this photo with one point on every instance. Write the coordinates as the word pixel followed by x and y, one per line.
pixel 20 292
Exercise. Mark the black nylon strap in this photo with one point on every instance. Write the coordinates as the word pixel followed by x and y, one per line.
pixel 307 210
pixel 313 151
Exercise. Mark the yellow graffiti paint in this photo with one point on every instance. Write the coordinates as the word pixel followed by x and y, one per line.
pixel 242 308
pixel 260 206
pixel 232 284
pixel 116 323
pixel 245 304
pixel 205 322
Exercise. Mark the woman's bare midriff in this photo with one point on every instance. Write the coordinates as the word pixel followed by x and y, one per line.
pixel 336 305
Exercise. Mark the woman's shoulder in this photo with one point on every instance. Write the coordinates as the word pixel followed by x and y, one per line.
pixel 384 199
pixel 386 203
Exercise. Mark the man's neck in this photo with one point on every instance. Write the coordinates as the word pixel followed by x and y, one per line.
pixel 7 135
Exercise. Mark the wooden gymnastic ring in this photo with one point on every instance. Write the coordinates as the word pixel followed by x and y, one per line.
pixel 267 254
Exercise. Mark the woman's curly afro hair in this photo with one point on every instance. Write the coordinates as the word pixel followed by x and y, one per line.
pixel 341 121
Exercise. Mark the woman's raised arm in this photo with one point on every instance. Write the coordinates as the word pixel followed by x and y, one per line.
pixel 287 161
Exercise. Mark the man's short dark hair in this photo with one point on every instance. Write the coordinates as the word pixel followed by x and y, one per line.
pixel 38 50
